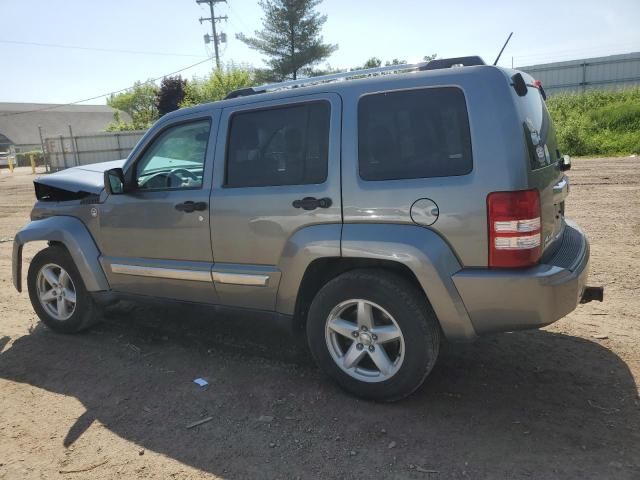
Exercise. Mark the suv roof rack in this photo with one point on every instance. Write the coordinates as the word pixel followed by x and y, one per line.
pixel 402 68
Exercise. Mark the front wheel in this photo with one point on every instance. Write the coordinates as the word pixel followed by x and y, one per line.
pixel 57 292
pixel 374 333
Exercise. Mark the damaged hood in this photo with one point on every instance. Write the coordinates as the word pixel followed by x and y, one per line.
pixel 84 179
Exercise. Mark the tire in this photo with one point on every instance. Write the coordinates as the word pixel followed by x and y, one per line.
pixel 396 305
pixel 74 317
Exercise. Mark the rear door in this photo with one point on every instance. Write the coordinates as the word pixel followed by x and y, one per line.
pixel 543 156
pixel 277 171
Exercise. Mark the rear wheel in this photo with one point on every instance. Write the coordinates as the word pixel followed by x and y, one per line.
pixel 374 333
pixel 57 292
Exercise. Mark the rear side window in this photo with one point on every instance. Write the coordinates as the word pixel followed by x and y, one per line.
pixel 539 132
pixel 414 134
pixel 279 146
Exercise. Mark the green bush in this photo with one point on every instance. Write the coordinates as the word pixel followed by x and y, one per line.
pixel 217 85
pixel 597 122
pixel 621 118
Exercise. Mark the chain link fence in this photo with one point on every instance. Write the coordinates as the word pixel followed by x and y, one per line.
pixel 70 151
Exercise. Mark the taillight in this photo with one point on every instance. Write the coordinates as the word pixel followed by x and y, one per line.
pixel 514 228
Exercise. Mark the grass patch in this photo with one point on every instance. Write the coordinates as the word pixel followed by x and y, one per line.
pixel 597 122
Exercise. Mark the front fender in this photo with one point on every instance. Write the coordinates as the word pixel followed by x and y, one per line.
pixel 427 255
pixel 73 234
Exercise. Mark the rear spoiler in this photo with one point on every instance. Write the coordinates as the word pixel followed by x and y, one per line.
pixel 440 63
pixel 521 86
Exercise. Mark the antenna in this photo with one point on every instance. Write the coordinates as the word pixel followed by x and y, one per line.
pixel 502 49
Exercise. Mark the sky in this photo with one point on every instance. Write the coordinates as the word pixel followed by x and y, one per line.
pixel 124 41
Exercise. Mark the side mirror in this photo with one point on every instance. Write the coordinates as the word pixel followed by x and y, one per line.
pixel 114 181
pixel 565 163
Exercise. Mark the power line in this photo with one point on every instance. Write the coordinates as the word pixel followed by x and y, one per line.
pixel 96 49
pixel 53 107
pixel 239 17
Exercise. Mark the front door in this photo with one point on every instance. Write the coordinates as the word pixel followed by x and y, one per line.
pixel 277 171
pixel 156 239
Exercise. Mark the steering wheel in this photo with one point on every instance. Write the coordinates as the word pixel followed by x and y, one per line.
pixel 174 178
pixel 183 173
pixel 179 174
pixel 159 180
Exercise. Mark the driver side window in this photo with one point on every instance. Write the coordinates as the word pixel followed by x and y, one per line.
pixel 175 160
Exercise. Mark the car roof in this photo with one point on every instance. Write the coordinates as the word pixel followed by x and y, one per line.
pixel 373 83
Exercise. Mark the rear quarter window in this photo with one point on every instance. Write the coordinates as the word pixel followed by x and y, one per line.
pixel 539 132
pixel 414 134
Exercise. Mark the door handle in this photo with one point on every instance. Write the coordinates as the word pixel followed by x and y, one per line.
pixel 311 203
pixel 561 190
pixel 189 206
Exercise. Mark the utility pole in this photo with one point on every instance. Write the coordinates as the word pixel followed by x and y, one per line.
pixel 213 19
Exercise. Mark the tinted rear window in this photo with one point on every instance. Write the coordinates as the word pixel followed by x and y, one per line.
pixel 279 146
pixel 539 133
pixel 414 134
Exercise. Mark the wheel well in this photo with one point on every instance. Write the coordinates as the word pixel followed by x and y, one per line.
pixel 323 270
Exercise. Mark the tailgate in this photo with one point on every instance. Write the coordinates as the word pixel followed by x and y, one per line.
pixel 543 156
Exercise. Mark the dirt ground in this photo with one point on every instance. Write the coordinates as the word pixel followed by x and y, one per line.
pixel 560 403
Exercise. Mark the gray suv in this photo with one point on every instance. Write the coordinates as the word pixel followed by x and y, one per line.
pixel 380 210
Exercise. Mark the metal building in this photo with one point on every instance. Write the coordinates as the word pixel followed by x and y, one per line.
pixel 612 72
pixel 24 125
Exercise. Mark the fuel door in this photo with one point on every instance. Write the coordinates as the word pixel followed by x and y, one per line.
pixel 424 212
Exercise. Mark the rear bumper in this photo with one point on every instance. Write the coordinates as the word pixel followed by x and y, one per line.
pixel 505 300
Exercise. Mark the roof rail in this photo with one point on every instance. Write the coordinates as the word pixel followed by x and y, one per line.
pixel 243 92
pixel 402 68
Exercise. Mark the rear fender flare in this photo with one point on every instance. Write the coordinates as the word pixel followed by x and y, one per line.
pixel 430 259
pixel 304 246
pixel 73 234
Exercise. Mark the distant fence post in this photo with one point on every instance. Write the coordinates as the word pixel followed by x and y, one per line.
pixel 64 157
pixel 33 163
pixel 118 143
pixel 74 146
pixel 45 156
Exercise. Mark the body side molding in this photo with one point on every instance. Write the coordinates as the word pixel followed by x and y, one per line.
pixel 159 272
pixel 240 278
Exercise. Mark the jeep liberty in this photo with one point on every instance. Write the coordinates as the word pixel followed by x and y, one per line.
pixel 381 210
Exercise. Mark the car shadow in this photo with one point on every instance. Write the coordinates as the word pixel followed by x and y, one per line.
pixel 520 405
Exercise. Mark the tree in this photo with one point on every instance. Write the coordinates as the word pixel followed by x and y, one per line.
pixel 290 36
pixel 374 62
pixel 395 61
pixel 170 95
pixel 217 85
pixel 139 103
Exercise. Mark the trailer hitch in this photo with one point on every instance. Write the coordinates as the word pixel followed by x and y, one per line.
pixel 592 293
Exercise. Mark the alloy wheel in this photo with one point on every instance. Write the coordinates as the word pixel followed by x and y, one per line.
pixel 364 340
pixel 56 292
